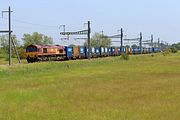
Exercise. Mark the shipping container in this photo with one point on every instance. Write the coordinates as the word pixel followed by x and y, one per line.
pixel 116 51
pixel 82 52
pixel 131 51
pixel 113 52
pixel 102 51
pixel 148 50
pixel 76 52
pixel 127 50
pixel 119 51
pixel 139 51
pixel 134 51
pixel 153 50
pixel 124 50
pixel 109 51
pixel 143 50
pixel 93 50
pixel 87 51
pixel 97 51
pixel 106 51
pixel 69 52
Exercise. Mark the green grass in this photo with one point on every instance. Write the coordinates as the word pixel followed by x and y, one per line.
pixel 142 88
pixel 4 59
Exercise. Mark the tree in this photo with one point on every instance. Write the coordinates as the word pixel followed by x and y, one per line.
pixel 72 45
pixel 36 38
pixel 22 52
pixel 4 45
pixel 177 46
pixel 4 42
pixel 173 49
pixel 134 46
pixel 99 40
pixel 127 46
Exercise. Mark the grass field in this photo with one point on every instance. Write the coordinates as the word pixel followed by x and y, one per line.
pixel 4 59
pixel 142 88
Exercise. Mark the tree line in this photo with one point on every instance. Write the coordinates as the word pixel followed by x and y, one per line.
pixel 176 45
pixel 38 38
pixel 28 39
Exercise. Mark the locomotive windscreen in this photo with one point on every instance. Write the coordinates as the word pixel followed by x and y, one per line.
pixel 31 49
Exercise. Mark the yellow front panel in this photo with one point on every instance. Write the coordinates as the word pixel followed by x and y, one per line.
pixel 31 54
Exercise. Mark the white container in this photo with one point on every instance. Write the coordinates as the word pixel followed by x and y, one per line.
pixel 102 50
pixel 106 50
pixel 93 50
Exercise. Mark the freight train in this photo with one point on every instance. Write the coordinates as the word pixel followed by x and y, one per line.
pixel 37 53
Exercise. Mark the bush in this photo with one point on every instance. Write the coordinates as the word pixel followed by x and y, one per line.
pixel 152 55
pixel 173 50
pixel 166 52
pixel 124 57
pixel 170 50
pixel 22 53
pixel 3 53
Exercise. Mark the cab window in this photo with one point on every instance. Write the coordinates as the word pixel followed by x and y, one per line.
pixel 31 49
pixel 61 51
pixel 45 50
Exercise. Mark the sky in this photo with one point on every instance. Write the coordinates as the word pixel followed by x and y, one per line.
pixel 158 17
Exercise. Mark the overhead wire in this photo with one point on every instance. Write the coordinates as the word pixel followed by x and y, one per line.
pixel 36 25
pixel 49 28
pixel 33 24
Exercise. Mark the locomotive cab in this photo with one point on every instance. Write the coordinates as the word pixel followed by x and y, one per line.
pixel 31 53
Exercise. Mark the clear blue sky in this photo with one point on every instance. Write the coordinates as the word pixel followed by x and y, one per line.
pixel 158 17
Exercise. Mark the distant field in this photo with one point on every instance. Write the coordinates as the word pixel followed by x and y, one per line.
pixel 4 59
pixel 143 88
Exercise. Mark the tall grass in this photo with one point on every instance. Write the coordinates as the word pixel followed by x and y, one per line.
pixel 142 88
